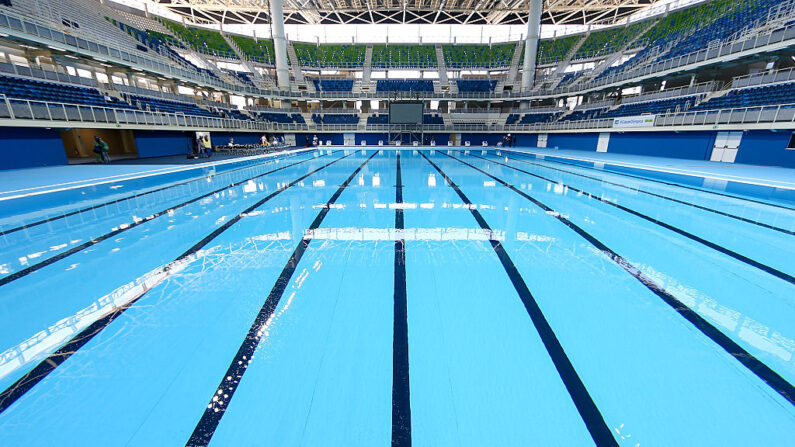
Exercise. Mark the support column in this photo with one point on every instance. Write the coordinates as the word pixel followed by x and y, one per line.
pixel 531 44
pixel 279 45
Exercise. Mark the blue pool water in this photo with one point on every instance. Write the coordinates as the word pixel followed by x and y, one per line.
pixel 414 297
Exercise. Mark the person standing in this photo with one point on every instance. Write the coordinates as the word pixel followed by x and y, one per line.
pixel 200 146
pixel 208 148
pixel 101 148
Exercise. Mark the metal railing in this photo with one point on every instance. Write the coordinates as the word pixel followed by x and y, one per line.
pixel 742 115
pixel 57 112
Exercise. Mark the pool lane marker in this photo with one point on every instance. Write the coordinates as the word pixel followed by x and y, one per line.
pixel 401 396
pixel 761 370
pixel 594 421
pixel 205 429
pixel 48 365
pixel 122 228
pixel 113 202
pixel 711 210
pixel 731 253
pixel 649 179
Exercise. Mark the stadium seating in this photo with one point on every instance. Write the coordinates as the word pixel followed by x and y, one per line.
pixel 476 85
pixel 328 55
pixel 531 118
pixel 378 119
pixel 335 118
pixel 462 56
pixel 168 106
pixel 202 40
pixel 751 97
pixel 414 56
pixel 554 50
pixel 18 88
pixel 652 107
pixel 333 85
pixel 404 85
pixel 600 43
pixel 282 118
pixel 432 119
pixel 260 50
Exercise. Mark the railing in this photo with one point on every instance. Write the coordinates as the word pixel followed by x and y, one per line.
pixel 56 112
pixel 763 78
pixel 723 49
pixel 706 87
pixel 782 113
pixel 25 109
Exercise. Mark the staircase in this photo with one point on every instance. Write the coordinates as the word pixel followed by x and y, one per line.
pixel 368 64
pixel 442 65
pixel 244 61
pixel 613 58
pixel 296 65
pixel 561 67
pixel 513 70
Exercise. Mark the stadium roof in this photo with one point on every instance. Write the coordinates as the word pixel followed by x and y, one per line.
pixel 477 12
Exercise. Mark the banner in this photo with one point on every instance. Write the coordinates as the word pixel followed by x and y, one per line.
pixel 634 121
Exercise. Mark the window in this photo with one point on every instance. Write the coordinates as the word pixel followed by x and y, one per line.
pixel 791 144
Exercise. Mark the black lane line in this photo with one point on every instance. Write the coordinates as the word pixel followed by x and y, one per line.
pixel 604 171
pixel 772 378
pixel 711 210
pixel 78 248
pixel 113 202
pixel 219 402
pixel 742 258
pixel 48 365
pixel 401 398
pixel 588 410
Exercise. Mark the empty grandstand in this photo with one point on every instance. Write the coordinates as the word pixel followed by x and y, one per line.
pixel 436 223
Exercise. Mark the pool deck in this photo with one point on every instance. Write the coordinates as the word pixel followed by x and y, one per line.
pixel 16 183
pixel 23 182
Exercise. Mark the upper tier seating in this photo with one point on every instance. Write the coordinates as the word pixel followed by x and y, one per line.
pixel 476 85
pixel 554 50
pixel 461 56
pixel 335 118
pixel 164 105
pixel 202 40
pixel 750 97
pixel 404 85
pixel 328 55
pixel 260 50
pixel 604 42
pixel 333 85
pixel 416 56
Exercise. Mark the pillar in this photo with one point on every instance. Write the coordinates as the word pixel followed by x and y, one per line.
pixel 531 44
pixel 279 45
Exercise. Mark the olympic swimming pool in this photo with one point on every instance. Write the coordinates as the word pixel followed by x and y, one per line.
pixel 417 297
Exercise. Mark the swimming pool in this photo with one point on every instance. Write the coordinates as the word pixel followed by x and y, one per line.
pixel 425 297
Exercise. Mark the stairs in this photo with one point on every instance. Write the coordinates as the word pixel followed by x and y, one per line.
pixel 513 70
pixel 611 59
pixel 296 65
pixel 561 67
pixel 441 64
pixel 368 64
pixel 247 64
